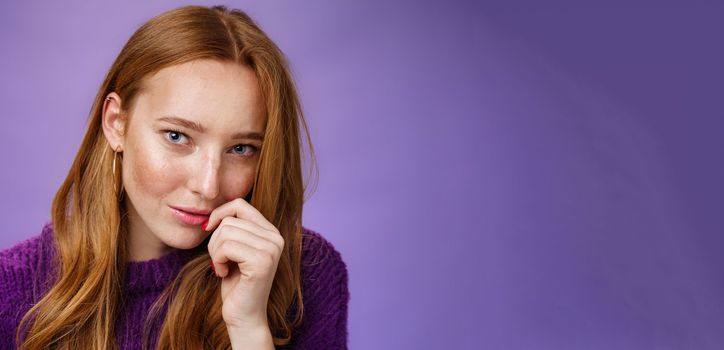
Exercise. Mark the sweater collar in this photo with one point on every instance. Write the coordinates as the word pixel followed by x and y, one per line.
pixel 155 274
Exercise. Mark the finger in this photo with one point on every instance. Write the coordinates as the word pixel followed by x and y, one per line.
pixel 241 209
pixel 273 237
pixel 228 232
pixel 252 262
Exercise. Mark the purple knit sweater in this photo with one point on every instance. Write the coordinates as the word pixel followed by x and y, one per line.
pixel 25 270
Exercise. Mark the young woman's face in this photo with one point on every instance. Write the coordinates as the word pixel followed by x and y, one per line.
pixel 168 163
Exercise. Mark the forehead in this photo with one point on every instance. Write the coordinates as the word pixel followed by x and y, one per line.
pixel 224 96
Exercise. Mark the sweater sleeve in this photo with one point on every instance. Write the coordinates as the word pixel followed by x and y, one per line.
pixel 325 294
pixel 21 282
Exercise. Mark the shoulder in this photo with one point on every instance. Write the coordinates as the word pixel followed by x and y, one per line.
pixel 24 255
pixel 21 250
pixel 23 263
pixel 321 260
pixel 325 294
pixel 23 268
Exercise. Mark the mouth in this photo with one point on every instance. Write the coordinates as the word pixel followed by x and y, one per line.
pixel 189 218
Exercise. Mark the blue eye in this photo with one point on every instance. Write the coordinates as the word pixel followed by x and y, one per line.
pixel 241 147
pixel 174 136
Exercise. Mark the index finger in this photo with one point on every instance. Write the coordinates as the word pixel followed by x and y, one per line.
pixel 238 208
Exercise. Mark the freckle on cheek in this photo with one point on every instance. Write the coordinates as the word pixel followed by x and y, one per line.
pixel 152 174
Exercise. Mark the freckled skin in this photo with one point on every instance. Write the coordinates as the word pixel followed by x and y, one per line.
pixel 201 170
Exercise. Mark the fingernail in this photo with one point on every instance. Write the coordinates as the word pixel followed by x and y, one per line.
pixel 203 226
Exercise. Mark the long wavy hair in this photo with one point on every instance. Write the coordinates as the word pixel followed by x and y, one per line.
pixel 83 301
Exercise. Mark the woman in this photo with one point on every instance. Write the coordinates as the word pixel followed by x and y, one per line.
pixel 179 223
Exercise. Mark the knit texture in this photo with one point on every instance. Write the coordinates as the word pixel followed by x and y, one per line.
pixel 26 275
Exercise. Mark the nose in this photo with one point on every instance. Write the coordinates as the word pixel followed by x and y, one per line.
pixel 204 177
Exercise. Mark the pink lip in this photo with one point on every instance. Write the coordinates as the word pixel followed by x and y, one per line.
pixel 189 218
pixel 194 210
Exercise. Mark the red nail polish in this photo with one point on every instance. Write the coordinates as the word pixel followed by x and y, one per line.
pixel 203 226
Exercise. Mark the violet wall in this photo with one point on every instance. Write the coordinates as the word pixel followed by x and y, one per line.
pixel 497 175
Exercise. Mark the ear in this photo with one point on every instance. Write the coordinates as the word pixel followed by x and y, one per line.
pixel 113 121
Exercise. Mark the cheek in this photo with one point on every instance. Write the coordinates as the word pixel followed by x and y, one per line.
pixel 237 183
pixel 151 173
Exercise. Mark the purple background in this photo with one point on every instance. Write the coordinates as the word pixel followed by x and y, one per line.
pixel 502 175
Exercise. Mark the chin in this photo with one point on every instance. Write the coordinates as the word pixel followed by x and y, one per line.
pixel 185 244
pixel 185 240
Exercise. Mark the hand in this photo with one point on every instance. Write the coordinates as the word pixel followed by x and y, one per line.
pixel 245 250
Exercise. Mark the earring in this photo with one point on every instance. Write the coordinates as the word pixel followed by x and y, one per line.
pixel 119 194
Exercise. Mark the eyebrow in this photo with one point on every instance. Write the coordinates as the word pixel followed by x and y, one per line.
pixel 201 129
